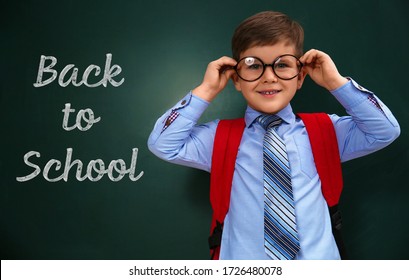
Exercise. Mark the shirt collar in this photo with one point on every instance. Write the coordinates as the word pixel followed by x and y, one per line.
pixel 285 114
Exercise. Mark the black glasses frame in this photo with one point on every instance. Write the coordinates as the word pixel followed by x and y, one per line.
pixel 265 65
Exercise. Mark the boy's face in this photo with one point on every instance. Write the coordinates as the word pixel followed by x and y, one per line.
pixel 269 94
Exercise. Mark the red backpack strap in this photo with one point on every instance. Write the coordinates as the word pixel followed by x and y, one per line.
pixel 226 145
pixel 324 147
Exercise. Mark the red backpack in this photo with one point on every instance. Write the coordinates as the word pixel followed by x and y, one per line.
pixel 324 146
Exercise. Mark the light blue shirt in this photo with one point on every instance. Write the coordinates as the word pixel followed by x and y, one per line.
pixel 177 138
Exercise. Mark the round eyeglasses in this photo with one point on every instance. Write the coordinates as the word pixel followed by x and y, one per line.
pixel 285 67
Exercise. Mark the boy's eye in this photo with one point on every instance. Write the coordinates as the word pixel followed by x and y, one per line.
pixel 286 62
pixel 255 66
pixel 281 65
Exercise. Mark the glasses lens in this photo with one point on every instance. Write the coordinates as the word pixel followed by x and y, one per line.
pixel 286 67
pixel 250 68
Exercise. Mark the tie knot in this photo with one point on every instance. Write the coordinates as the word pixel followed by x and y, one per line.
pixel 268 121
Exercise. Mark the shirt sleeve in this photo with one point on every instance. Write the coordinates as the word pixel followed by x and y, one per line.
pixel 177 138
pixel 370 125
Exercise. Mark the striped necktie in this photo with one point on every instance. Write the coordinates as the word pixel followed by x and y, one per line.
pixel 280 231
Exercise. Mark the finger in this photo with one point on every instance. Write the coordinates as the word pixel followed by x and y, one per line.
pixel 229 73
pixel 305 71
pixel 311 56
pixel 306 56
pixel 227 60
pixel 226 68
pixel 224 63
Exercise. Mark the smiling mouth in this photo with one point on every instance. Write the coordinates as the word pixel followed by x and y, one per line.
pixel 269 92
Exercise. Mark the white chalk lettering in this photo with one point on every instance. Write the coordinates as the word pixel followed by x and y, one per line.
pixel 109 73
pixel 81 116
pixel 97 166
pixel 41 70
pixel 72 79
pixel 35 172
pixel 48 167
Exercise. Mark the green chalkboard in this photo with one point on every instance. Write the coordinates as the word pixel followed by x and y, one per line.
pixel 149 54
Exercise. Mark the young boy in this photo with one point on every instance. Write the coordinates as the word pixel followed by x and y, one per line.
pixel 268 67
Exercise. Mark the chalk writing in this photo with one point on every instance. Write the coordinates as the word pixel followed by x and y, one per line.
pixel 81 116
pixel 95 169
pixel 109 73
pixel 94 166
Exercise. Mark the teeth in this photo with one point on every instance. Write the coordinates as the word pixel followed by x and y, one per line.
pixel 269 92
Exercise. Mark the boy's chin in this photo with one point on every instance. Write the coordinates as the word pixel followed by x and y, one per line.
pixel 268 110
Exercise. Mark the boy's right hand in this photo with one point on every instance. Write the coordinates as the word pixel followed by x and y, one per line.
pixel 217 75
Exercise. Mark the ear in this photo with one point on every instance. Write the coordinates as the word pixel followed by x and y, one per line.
pixel 301 78
pixel 236 81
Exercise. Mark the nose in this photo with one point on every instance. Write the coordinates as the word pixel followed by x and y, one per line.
pixel 269 76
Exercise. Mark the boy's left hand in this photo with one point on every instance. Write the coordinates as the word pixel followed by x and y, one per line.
pixel 322 70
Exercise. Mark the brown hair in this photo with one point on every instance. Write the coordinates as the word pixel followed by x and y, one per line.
pixel 267 28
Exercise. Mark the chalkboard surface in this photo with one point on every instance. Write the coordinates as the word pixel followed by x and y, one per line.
pixel 127 204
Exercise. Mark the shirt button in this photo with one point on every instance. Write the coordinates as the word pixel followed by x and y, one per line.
pixel 183 102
